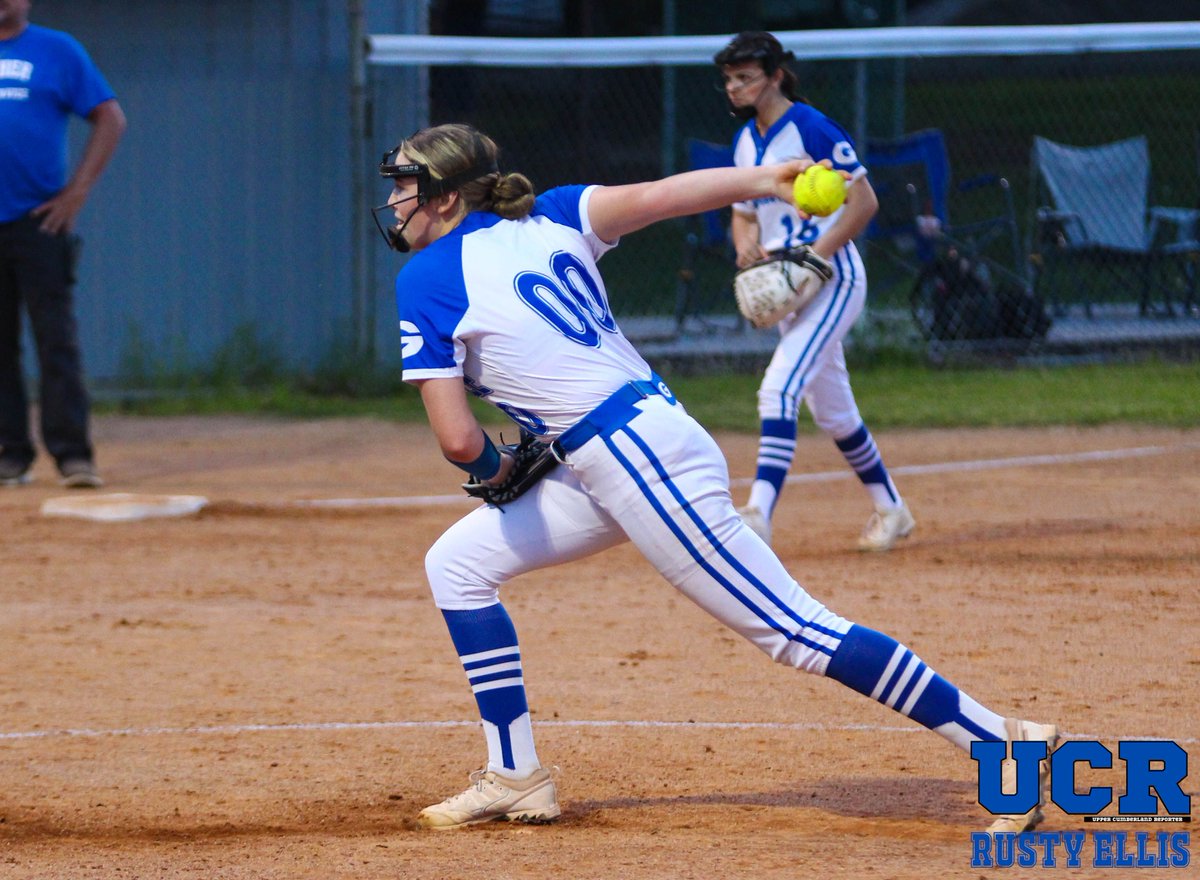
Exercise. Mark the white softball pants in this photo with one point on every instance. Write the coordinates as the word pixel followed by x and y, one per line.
pixel 809 363
pixel 661 481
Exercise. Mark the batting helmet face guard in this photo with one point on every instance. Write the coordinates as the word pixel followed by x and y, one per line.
pixel 757 46
pixel 428 187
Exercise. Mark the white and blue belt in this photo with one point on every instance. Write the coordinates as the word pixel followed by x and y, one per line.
pixel 613 414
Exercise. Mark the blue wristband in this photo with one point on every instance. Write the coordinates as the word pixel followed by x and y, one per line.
pixel 486 466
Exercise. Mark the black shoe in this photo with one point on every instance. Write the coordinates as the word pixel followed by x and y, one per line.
pixel 14 472
pixel 79 473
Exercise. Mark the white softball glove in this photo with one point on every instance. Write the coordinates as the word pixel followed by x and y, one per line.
pixel 771 289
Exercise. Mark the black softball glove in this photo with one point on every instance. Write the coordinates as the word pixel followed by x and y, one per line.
pixel 533 459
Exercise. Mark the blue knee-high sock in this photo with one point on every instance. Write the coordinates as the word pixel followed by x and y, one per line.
pixel 776 449
pixel 863 456
pixel 486 641
pixel 878 666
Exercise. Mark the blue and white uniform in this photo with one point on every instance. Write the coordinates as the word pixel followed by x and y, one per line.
pixel 809 363
pixel 518 309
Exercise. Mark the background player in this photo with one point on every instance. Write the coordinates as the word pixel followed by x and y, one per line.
pixel 504 299
pixel 809 363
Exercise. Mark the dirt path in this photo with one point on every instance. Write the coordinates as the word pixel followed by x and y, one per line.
pixel 267 691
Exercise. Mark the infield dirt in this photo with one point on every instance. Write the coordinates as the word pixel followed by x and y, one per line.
pixel 265 691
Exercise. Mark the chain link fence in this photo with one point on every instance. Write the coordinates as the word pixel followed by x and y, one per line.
pixel 1031 204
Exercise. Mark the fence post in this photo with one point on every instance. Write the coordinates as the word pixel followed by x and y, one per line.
pixel 670 108
pixel 362 315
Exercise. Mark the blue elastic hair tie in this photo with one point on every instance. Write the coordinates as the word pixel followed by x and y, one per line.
pixel 486 466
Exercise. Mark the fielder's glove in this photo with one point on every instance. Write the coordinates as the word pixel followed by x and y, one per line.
pixel 771 289
pixel 532 460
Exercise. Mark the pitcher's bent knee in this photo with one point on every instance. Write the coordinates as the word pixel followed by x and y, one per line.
pixel 455 580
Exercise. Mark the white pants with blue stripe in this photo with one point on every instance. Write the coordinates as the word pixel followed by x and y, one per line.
pixel 809 363
pixel 661 481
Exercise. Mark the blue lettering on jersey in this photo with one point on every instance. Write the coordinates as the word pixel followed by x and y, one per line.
pixel 843 155
pixel 411 340
pixel 571 271
pixel 531 422
pixel 556 308
pixel 807 232
pixel 577 314
pixel 475 387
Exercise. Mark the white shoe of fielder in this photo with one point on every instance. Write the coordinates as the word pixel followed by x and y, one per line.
pixel 1025 731
pixel 885 527
pixel 495 798
pixel 758 522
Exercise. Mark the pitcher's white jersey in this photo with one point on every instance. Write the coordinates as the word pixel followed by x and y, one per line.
pixel 803 132
pixel 518 309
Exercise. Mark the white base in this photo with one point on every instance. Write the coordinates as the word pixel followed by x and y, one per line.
pixel 122 506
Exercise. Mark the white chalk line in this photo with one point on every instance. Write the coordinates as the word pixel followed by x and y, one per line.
pixel 229 729
pixel 821 477
pixel 987 464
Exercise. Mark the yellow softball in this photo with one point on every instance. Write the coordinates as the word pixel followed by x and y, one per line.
pixel 819 191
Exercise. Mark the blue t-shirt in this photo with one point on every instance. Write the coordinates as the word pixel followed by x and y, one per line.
pixel 45 75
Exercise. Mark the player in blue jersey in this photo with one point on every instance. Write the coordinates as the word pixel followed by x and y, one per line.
pixel 503 300
pixel 45 77
pixel 809 363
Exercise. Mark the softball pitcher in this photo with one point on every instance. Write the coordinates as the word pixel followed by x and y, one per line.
pixel 809 363
pixel 503 300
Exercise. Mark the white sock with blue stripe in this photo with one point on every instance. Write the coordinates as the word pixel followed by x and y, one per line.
pixel 486 642
pixel 863 455
pixel 776 449
pixel 881 668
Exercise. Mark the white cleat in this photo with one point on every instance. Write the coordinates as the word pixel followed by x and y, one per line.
pixel 757 521
pixel 496 798
pixel 1025 731
pixel 885 527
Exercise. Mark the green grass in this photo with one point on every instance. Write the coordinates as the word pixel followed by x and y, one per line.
pixel 889 396
pixel 918 397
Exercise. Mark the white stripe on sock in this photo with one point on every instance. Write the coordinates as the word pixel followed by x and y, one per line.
pixel 495 667
pixel 922 683
pixel 774 461
pixel 487 655
pixel 910 670
pixel 499 683
pixel 887 673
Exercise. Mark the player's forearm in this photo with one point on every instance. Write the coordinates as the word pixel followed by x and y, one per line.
pixel 458 433
pixel 619 210
pixel 745 232
pixel 861 205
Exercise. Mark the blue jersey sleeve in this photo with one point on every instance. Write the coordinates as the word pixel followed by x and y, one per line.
pixel 825 139
pixel 431 299
pixel 561 205
pixel 567 206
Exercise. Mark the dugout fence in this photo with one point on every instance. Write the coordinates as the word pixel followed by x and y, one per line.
pixel 615 110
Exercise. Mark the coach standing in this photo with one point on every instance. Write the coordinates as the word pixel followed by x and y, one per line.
pixel 45 76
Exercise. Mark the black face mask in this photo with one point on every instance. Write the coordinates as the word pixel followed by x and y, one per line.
pixel 392 233
pixel 427 188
